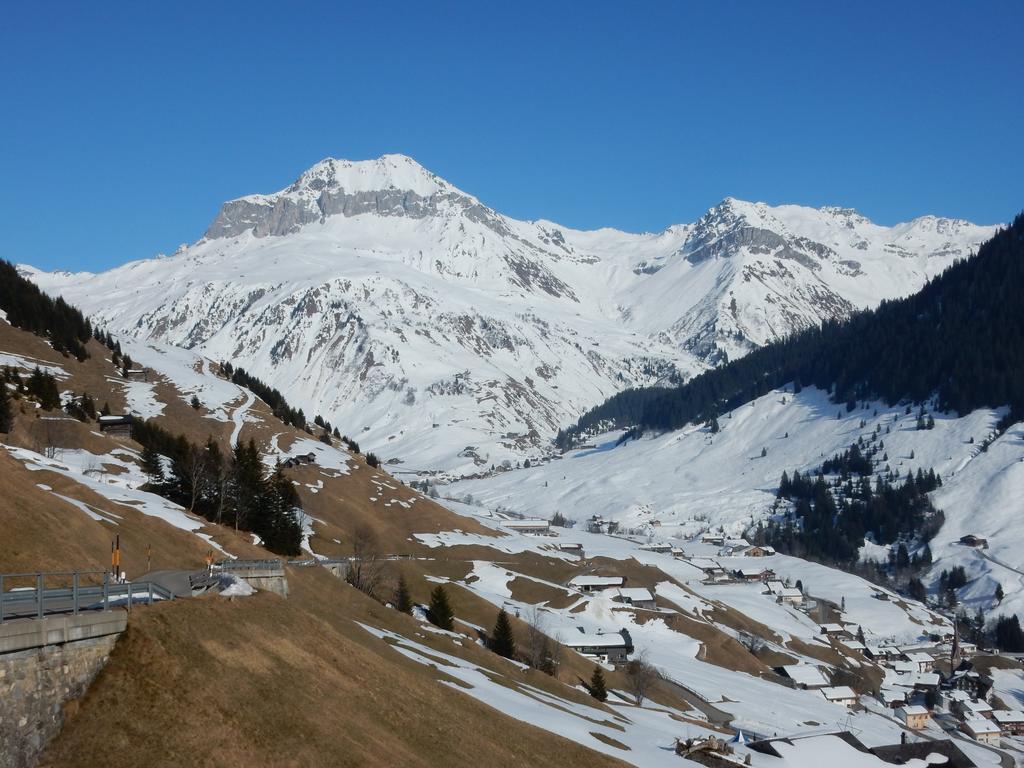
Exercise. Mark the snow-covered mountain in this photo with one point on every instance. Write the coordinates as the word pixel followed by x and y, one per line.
pixel 444 335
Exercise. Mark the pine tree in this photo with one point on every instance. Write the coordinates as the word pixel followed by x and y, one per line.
pixel 440 611
pixel 999 593
pixel 195 402
pixel 503 642
pixel 597 686
pixel 402 600
pixel 6 417
pixel 153 465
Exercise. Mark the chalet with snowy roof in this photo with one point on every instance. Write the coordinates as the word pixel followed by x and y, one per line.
pixel 733 548
pixel 924 661
pixel 659 548
pixel 638 597
pixel 967 708
pixel 758 550
pixel 983 731
pixel 117 426
pixel 137 374
pixel 854 645
pixel 527 526
pixel 611 647
pixel 714 539
pixel 894 698
pixel 784 594
pixel 1011 721
pixel 840 694
pixel 833 630
pixel 754 574
pixel 712 569
pixel 590 583
pixel 299 459
pixel 972 540
pixel 914 716
pixel 572 547
pixel 805 676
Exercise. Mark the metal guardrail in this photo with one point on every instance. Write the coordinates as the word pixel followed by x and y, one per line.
pixel 37 601
pixel 244 565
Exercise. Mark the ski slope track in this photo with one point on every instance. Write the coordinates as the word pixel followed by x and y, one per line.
pixel 446 337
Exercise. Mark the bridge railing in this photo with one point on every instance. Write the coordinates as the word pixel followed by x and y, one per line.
pixel 76 591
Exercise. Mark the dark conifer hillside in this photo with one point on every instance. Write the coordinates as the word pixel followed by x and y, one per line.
pixel 32 310
pixel 961 337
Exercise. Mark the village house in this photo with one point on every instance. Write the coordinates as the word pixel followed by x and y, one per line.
pixel 758 551
pixel 571 547
pixel 610 647
pixel 733 548
pixel 984 731
pixel 784 594
pixel 806 676
pixel 638 597
pixel 677 552
pixel 914 716
pixel 1010 721
pixel 840 694
pixel 924 662
pixel 527 526
pixel 137 374
pixel 117 426
pixel 894 698
pixel 753 574
pixel 817 749
pixel 854 645
pixel 714 539
pixel 967 708
pixel 833 630
pixel 969 682
pixel 971 540
pixel 660 548
pixel 590 583
pixel 299 459
pixel 712 569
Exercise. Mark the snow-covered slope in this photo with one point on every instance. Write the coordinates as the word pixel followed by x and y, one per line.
pixel 446 336
pixel 676 485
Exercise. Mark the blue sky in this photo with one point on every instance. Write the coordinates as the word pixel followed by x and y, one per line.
pixel 125 125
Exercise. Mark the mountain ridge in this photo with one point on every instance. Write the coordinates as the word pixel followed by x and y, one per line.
pixel 398 311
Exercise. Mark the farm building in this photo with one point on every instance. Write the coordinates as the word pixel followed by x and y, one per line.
pixel 840 694
pixel 117 426
pixel 612 647
pixel 638 597
pixel 806 676
pixel 590 583
pixel 527 526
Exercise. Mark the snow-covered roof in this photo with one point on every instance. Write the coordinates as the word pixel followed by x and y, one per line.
pixel 636 594
pixel 920 658
pixel 706 564
pixel 596 640
pixel 830 628
pixel 913 709
pixel 805 674
pixel 597 581
pixel 838 693
pixel 526 524
pixel 1005 716
pixel 981 725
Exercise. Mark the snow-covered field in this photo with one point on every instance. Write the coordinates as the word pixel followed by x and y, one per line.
pixel 679 484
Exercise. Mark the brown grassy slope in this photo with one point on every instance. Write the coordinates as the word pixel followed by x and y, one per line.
pixel 43 533
pixel 270 682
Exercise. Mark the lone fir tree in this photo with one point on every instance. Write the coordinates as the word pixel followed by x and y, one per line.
pixel 402 601
pixel 503 642
pixel 597 686
pixel 440 612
